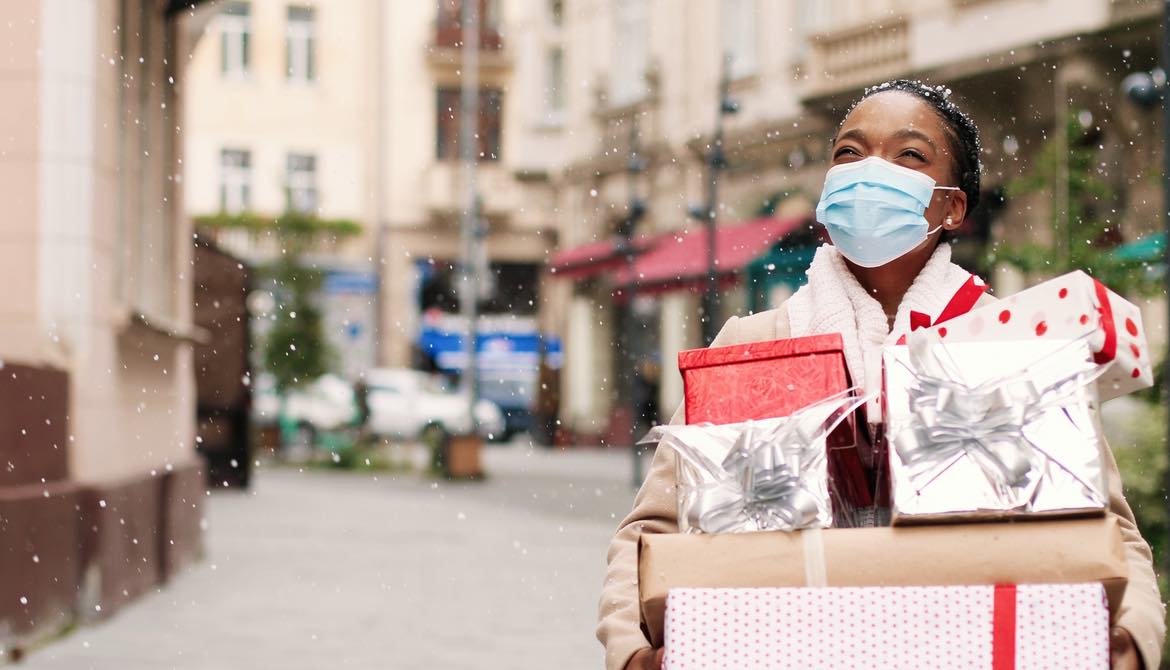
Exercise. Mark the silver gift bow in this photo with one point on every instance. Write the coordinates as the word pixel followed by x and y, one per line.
pixel 773 476
pixel 770 492
pixel 985 422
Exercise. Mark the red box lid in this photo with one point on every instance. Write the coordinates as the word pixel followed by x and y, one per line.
pixel 758 380
pixel 757 351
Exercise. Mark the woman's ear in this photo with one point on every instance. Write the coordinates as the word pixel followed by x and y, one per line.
pixel 955 210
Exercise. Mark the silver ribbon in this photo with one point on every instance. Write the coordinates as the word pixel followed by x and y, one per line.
pixel 774 476
pixel 985 423
pixel 764 488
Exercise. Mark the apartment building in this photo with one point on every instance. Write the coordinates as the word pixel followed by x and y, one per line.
pixel 351 111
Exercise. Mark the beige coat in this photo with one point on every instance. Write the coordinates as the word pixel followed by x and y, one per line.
pixel 655 511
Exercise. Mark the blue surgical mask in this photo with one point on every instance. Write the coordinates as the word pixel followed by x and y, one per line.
pixel 873 210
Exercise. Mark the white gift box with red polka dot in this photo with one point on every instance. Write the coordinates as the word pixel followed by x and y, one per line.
pixel 865 628
pixel 1070 306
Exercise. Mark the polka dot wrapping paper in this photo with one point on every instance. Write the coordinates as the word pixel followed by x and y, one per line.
pixel 1068 306
pixel 960 627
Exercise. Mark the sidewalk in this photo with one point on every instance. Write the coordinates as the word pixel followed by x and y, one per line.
pixel 320 569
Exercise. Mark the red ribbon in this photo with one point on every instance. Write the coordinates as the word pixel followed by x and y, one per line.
pixel 961 302
pixel 1003 628
pixel 1105 309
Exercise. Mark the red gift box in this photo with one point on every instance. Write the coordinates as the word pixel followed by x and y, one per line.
pixel 761 380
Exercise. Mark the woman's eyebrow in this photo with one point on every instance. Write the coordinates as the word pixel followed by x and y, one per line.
pixel 852 134
pixel 914 134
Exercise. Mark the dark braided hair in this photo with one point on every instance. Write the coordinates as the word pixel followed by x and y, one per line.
pixel 962 134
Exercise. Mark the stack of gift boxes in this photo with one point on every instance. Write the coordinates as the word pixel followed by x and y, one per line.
pixel 965 528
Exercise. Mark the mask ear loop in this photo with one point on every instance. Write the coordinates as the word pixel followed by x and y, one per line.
pixel 941 188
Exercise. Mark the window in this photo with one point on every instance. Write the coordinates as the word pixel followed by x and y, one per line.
pixel 301 55
pixel 554 82
pixel 449 24
pixel 629 52
pixel 235 180
pixel 235 22
pixel 739 36
pixel 448 105
pixel 301 182
pixel 812 16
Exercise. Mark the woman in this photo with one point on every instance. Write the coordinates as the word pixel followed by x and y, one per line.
pixel 913 156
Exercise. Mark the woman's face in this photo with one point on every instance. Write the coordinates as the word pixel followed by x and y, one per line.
pixel 900 128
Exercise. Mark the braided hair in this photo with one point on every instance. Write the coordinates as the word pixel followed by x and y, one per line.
pixel 962 134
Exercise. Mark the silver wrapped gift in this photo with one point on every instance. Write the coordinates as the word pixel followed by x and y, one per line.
pixel 769 474
pixel 992 429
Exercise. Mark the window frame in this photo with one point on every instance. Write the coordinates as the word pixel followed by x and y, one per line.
pixel 302 179
pixel 490 131
pixel 739 36
pixel 629 52
pixel 235 31
pixel 300 50
pixel 235 179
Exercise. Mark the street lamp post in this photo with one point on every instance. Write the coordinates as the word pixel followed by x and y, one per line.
pixel 716 162
pixel 1147 89
pixel 471 225
pixel 637 209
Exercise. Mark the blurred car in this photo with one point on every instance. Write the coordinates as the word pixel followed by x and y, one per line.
pixel 323 405
pixel 326 403
pixel 408 403
pixel 512 392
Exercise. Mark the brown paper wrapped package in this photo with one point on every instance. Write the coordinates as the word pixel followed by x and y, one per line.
pixel 1032 552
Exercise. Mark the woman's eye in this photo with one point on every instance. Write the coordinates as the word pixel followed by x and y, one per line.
pixel 845 151
pixel 915 154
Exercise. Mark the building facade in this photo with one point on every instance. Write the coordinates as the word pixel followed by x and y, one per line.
pixel 101 488
pixel 351 111
pixel 565 85
pixel 1024 69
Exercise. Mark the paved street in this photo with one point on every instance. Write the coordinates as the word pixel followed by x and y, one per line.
pixel 320 569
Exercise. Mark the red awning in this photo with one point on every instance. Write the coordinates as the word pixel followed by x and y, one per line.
pixel 594 258
pixel 679 260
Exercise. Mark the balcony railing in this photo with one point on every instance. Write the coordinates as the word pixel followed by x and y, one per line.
pixel 1128 10
pixel 858 55
pixel 450 36
pixel 499 193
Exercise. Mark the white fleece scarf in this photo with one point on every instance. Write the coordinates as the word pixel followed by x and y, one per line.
pixel 834 302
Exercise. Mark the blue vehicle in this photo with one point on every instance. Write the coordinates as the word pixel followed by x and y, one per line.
pixel 509 353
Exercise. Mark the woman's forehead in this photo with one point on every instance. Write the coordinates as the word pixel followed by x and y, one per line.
pixel 888 112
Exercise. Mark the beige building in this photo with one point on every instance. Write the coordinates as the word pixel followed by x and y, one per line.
pixel 1021 66
pixel 564 81
pixel 100 490
pixel 350 110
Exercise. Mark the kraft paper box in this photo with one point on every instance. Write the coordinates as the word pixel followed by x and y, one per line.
pixel 983 430
pixel 1032 552
pixel 1069 306
pixel 763 380
pixel 1027 626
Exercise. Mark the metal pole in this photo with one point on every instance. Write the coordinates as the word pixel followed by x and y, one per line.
pixel 636 210
pixel 1062 232
pixel 380 134
pixel 468 148
pixel 1165 57
pixel 716 162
